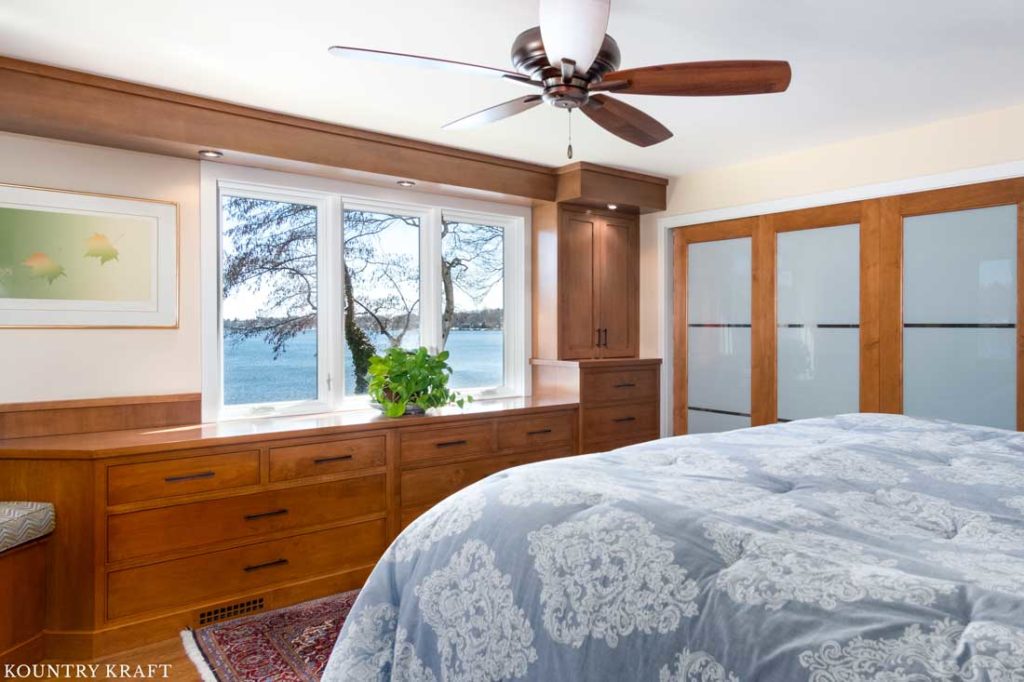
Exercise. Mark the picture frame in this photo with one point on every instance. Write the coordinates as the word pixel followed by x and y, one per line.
pixel 80 260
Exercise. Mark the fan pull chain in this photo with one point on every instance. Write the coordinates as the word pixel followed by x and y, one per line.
pixel 568 151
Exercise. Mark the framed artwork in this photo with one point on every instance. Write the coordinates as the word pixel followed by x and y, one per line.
pixel 71 259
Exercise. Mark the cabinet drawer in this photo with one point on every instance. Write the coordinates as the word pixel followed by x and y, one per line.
pixel 620 384
pixel 590 447
pixel 530 433
pixel 329 457
pixel 432 484
pixel 174 477
pixel 189 582
pixel 418 446
pixel 619 421
pixel 170 529
pixel 410 514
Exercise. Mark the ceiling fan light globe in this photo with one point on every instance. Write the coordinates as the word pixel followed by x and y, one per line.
pixel 573 30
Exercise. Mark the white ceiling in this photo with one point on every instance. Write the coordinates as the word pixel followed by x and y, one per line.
pixel 860 66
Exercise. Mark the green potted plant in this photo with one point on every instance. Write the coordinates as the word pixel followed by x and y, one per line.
pixel 411 382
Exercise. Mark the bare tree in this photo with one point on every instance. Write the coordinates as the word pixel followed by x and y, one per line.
pixel 473 261
pixel 271 249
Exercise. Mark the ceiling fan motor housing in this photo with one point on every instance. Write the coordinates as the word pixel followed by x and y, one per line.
pixel 529 58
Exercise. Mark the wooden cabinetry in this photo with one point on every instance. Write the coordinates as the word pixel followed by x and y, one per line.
pixel 436 463
pixel 586 293
pixel 619 399
pixel 161 531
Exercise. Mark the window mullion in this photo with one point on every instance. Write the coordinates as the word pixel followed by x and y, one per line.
pixel 430 280
pixel 333 299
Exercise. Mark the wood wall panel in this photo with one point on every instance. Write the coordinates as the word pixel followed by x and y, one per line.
pixel 890 317
pixel 764 330
pixel 61 417
pixel 545 279
pixel 679 263
pixel 870 303
pixel 963 198
pixel 1020 316
pixel 23 595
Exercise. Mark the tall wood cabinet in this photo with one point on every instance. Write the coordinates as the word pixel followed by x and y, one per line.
pixel 586 323
pixel 587 268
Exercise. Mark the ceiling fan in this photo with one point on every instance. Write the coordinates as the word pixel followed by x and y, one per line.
pixel 572 62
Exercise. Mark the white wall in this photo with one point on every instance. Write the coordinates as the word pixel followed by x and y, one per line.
pixel 46 364
pixel 961 144
pixel 954 144
pixel 49 364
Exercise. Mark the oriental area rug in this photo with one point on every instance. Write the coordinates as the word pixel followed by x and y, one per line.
pixel 286 645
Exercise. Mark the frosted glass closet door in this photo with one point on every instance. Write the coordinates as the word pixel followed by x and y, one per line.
pixel 818 312
pixel 959 316
pixel 718 335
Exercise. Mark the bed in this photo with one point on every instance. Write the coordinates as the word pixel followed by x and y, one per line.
pixel 860 547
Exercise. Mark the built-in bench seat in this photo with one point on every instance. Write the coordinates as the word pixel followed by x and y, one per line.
pixel 24 529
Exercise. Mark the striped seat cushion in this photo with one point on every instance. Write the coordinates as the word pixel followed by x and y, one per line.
pixel 22 522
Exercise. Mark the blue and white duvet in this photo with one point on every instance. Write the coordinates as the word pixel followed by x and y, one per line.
pixel 864 547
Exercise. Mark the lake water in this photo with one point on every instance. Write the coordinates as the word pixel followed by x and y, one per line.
pixel 252 375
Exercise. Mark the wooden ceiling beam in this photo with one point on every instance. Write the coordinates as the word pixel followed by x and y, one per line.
pixel 71 105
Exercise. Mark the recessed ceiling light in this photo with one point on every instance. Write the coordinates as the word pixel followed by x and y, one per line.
pixel 406 183
pixel 612 207
pixel 210 153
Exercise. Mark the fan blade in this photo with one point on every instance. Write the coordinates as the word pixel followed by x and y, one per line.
pixel 700 79
pixel 629 123
pixel 423 62
pixel 495 113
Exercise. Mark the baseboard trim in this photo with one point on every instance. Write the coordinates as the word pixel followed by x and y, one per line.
pixel 80 645
pixel 32 650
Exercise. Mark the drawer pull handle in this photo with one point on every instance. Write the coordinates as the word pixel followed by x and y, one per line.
pixel 190 477
pixel 626 385
pixel 265 515
pixel 325 460
pixel 624 419
pixel 451 443
pixel 538 432
pixel 269 564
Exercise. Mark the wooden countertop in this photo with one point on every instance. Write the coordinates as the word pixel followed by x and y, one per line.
pixel 138 441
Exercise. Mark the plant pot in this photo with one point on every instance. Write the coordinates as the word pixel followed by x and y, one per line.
pixel 410 408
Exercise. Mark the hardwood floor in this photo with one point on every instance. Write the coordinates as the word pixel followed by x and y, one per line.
pixel 169 652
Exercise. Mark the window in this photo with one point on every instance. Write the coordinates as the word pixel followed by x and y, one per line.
pixel 381 271
pixel 314 277
pixel 473 302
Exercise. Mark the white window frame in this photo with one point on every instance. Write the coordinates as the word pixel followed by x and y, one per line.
pixel 513 285
pixel 332 198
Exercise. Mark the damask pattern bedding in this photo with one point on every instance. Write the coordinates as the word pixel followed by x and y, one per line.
pixel 861 547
